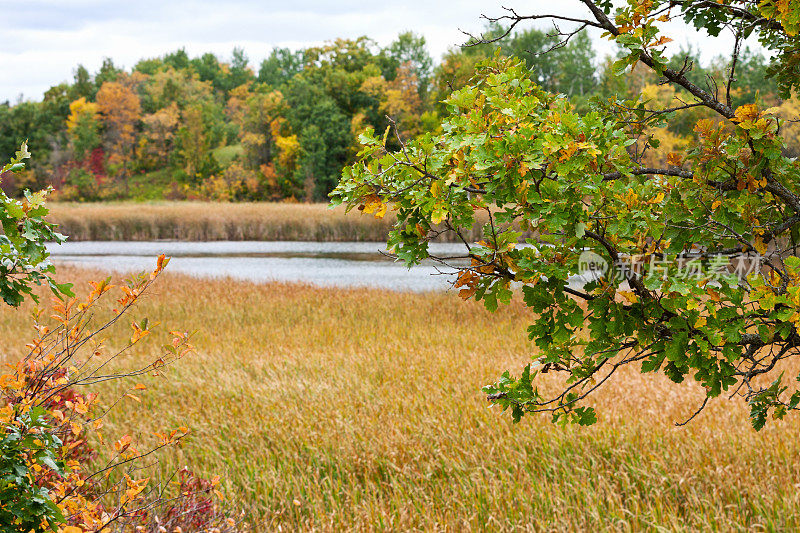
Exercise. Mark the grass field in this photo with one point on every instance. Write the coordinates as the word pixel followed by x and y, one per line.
pixel 332 410
pixel 208 221
pixel 202 221
pixel 226 154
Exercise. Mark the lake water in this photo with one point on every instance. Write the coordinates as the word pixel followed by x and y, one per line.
pixel 342 264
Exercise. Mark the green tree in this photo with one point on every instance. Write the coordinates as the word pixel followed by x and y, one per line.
pixel 702 273
pixel 82 84
pixel 567 69
pixel 179 59
pixel 751 77
pixel 149 66
pixel 236 73
pixel 409 49
pixel 324 134
pixel 193 143
pixel 333 98
pixel 108 72
pixel 41 123
pixel 281 66
pixel 207 67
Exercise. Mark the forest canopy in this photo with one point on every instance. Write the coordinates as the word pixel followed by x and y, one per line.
pixel 181 127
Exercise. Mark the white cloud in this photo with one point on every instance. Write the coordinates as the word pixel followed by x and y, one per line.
pixel 51 37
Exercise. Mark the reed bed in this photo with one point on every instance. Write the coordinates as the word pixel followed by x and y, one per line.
pixel 341 410
pixel 205 221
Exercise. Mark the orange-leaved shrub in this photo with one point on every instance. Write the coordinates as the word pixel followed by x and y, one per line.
pixel 51 477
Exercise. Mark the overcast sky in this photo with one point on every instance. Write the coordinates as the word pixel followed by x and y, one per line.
pixel 43 40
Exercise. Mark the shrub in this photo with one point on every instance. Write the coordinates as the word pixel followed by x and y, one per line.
pixel 51 479
pixel 51 475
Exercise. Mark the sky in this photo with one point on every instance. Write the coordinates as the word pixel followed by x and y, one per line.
pixel 47 39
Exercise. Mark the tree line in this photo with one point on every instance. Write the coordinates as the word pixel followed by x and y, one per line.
pixel 181 127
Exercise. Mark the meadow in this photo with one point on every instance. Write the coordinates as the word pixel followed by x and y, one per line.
pixel 360 409
pixel 209 221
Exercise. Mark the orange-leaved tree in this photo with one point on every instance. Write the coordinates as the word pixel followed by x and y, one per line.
pixel 120 111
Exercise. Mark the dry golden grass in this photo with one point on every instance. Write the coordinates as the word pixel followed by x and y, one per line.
pixel 205 221
pixel 364 407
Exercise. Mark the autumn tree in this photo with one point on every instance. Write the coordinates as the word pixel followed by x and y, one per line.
pixel 83 126
pixel 330 94
pixel 180 87
pixel 255 113
pixel 159 132
pixel 193 143
pixel 690 268
pixel 120 110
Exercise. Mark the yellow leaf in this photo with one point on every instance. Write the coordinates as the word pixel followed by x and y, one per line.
pixel 745 113
pixel 438 215
pixel 759 245
pixel 81 408
pixel 674 159
pixel 374 204
pixel 629 296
